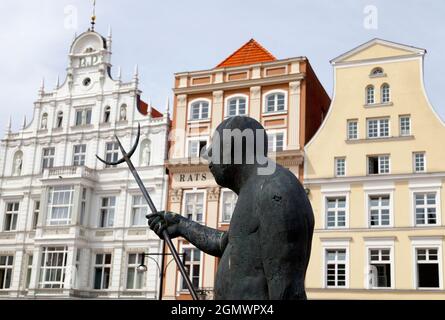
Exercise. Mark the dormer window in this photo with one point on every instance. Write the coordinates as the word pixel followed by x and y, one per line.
pixel 377 72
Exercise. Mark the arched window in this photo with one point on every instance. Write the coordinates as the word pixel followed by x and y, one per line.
pixel 44 122
pixel 123 113
pixel 59 119
pixel 200 110
pixel 276 102
pixel 385 93
pixel 107 114
pixel 236 106
pixel 370 95
pixel 377 72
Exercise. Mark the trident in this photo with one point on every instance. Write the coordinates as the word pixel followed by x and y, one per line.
pixel 127 159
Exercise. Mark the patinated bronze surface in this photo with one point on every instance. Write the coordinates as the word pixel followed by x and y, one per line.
pixel 265 253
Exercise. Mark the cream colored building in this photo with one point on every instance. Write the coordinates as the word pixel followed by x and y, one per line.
pixel 284 95
pixel 376 171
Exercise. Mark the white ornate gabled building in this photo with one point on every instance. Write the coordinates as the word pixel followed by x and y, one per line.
pixel 69 225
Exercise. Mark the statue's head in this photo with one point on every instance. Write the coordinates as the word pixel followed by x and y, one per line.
pixel 238 145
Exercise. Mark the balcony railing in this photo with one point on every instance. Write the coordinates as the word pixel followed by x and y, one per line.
pixel 69 172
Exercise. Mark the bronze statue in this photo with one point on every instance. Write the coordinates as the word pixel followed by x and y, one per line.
pixel 265 253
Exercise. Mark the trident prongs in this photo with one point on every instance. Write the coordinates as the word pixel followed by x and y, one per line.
pixel 127 158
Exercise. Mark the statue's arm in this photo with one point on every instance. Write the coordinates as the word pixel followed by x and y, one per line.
pixel 283 241
pixel 206 239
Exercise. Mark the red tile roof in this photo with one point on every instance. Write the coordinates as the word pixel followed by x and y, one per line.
pixel 249 53
pixel 143 108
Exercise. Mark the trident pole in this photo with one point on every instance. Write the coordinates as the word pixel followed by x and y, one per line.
pixel 127 158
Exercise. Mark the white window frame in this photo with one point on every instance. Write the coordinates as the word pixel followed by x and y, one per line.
pixel 438 211
pixel 274 133
pixel 415 154
pixel 367 95
pixel 326 197
pixel 348 129
pixel 140 257
pixel 221 205
pixel 427 243
pixel 379 156
pixel 112 152
pixel 103 265
pixel 110 211
pixel 379 128
pixel 49 158
pixel 204 205
pixel 79 157
pixel 401 132
pixel 14 216
pixel 379 244
pixel 140 206
pixel 6 268
pixel 235 96
pixel 51 206
pixel 190 104
pixel 336 162
pixel 431 187
pixel 82 111
pixel 286 102
pixel 180 290
pixel 382 94
pixel 44 268
pixel 192 139
pixel 35 213
pixel 335 244
pixel 379 192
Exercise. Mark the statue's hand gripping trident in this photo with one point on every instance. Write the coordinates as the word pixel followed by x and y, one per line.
pixel 127 158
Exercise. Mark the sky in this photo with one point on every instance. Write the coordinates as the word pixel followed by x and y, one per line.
pixel 169 36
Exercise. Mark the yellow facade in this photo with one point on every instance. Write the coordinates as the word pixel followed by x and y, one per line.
pixel 390 208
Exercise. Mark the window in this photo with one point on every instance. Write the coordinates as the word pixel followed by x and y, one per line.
pixel 427 268
pixel 340 167
pixel 194 206
pixel 228 203
pixel 276 142
pixel 11 215
pixel 29 271
pixel 199 110
pixel 107 212
pixel 192 266
pixel 60 203
pixel 385 93
pixel 426 208
pixel 236 107
pixel 83 117
pixel 377 72
pixel 79 155
pixel 107 114
pixel 352 129
pixel 6 264
pixel 48 158
pixel 378 128
pixel 135 279
pixel 53 267
pixel 196 148
pixel 380 268
pixel 139 211
pixel 405 125
pixel 336 212
pixel 83 206
pixel 59 120
pixel 111 153
pixel 335 268
pixel 370 97
pixel 419 162
pixel 86 82
pixel 44 122
pixel 379 211
pixel 36 213
pixel 275 102
pixel 378 165
pixel 102 271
